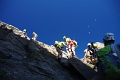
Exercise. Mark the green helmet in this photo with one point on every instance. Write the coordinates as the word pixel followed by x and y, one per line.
pixel 64 37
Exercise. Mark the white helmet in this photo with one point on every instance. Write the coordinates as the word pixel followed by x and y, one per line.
pixel 56 42
pixel 88 44
pixel 24 30
pixel 108 36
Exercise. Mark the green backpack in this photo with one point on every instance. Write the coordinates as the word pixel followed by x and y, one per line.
pixel 109 64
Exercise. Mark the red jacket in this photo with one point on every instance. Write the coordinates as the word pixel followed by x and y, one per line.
pixel 72 43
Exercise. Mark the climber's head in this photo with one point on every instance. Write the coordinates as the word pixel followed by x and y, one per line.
pixel 108 39
pixel 64 37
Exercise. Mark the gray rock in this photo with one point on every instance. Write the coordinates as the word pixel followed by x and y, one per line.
pixel 25 59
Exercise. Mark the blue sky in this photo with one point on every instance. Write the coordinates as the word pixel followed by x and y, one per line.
pixel 53 19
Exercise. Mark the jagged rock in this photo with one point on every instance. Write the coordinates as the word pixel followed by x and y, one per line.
pixel 86 71
pixel 99 45
pixel 24 59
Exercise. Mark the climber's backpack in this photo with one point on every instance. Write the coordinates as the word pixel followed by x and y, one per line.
pixel 75 42
pixel 115 61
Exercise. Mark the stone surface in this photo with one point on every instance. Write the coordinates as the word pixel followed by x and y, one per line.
pixel 24 59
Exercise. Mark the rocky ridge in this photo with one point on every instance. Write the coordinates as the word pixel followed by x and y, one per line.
pixel 24 59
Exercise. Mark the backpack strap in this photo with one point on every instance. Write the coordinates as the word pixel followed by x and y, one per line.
pixel 92 45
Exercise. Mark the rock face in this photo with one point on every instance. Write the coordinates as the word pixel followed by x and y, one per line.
pixel 25 59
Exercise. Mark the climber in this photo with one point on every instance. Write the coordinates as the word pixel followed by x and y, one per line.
pixel 106 68
pixel 92 48
pixel 67 41
pixel 34 36
pixel 87 57
pixel 71 45
pixel 25 33
pixel 59 46
pixel 3 25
